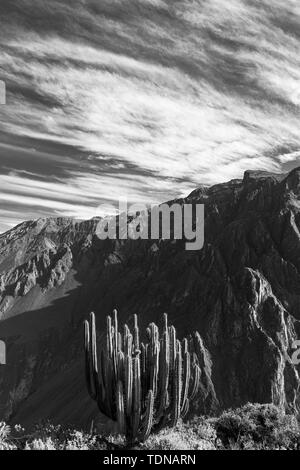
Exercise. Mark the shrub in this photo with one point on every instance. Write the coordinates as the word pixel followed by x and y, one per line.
pixel 183 437
pixel 247 428
pixel 4 437
pixel 258 425
pixel 47 436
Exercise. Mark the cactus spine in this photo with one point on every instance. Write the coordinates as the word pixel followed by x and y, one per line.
pixel 142 386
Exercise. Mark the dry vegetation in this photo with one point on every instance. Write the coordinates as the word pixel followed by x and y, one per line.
pixel 253 426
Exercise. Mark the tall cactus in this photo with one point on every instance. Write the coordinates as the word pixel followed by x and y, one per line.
pixel 142 386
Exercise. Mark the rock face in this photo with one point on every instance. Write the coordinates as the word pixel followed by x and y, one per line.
pixel 241 292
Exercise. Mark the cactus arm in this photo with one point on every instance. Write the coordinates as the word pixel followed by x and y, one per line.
pixel 94 359
pixel 186 378
pixel 173 348
pixel 144 373
pixel 136 396
pixel 128 384
pixel 136 334
pixel 177 386
pixel 114 335
pixel 164 367
pixel 185 409
pixel 120 408
pixel 196 382
pixel 148 418
pixel 88 372
pixel 119 342
pixel 109 343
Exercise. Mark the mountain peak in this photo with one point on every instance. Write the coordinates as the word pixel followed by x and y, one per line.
pixel 292 180
pixel 256 175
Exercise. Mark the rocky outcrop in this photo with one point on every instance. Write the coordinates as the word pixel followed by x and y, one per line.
pixel 241 292
pixel 47 269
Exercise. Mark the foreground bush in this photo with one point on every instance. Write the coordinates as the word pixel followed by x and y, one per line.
pixel 4 437
pixel 202 436
pixel 49 437
pixel 258 426
pixel 251 427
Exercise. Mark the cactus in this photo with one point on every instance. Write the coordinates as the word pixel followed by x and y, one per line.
pixel 142 386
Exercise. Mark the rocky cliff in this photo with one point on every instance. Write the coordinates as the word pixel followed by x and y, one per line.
pixel 241 292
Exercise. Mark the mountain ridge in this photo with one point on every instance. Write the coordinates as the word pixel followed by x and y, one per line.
pixel 241 292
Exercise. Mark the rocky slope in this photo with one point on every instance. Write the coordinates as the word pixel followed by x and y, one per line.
pixel 241 292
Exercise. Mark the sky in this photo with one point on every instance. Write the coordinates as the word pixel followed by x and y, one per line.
pixel 142 99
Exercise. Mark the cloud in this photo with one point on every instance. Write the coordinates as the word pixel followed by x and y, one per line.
pixel 143 98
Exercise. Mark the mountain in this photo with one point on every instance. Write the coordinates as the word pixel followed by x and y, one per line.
pixel 241 292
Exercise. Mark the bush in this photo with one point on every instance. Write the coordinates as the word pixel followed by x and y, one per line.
pixel 4 437
pixel 49 437
pixel 183 437
pixel 251 427
pixel 263 426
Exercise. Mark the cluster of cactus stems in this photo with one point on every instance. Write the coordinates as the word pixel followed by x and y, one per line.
pixel 144 386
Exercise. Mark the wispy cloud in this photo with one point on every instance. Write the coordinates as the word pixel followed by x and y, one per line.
pixel 142 98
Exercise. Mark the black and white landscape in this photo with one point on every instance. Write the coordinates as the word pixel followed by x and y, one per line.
pixel 193 102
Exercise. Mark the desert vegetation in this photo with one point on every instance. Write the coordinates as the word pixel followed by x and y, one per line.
pixel 252 427
pixel 144 386
pixel 147 388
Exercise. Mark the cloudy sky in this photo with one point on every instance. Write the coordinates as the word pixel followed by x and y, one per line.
pixel 144 99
